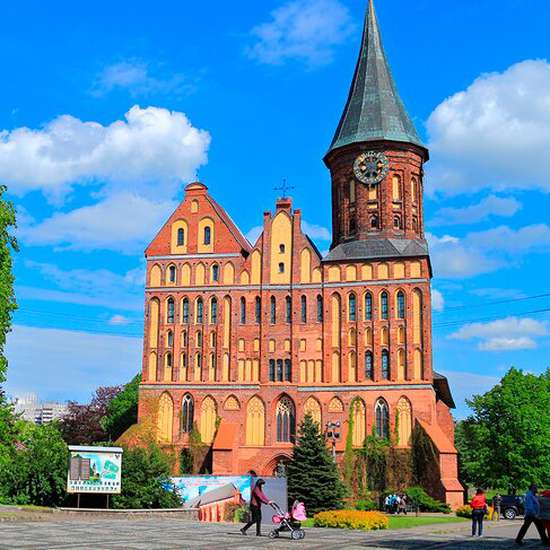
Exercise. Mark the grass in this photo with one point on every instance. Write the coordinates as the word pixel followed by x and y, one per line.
pixel 406 522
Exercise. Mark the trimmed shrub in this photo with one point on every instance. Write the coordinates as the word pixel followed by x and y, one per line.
pixel 351 519
pixel 464 511
pixel 425 502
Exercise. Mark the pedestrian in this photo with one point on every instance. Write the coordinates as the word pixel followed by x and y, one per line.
pixel 532 515
pixel 402 505
pixel 497 501
pixel 479 509
pixel 387 501
pixel 545 510
pixel 256 499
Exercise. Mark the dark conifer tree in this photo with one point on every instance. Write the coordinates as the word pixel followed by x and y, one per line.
pixel 312 474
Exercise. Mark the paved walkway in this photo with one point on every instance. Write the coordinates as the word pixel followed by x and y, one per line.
pixel 160 533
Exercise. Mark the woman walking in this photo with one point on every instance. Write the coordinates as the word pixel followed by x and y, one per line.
pixel 479 509
pixel 256 499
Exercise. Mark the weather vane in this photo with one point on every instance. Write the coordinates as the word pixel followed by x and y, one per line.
pixel 284 187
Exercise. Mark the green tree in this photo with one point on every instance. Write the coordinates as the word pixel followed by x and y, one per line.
pixel 505 443
pixel 35 470
pixel 122 410
pixel 145 480
pixel 312 474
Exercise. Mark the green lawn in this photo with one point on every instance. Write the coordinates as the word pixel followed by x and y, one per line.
pixel 405 522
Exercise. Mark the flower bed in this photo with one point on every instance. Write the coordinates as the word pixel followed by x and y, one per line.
pixel 351 519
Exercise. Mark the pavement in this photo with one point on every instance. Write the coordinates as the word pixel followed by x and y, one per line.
pixel 69 532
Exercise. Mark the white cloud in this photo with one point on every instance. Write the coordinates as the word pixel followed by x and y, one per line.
pixel 485 251
pixel 317 232
pixel 495 134
pixel 307 30
pixel 139 78
pixel 124 222
pixel 118 320
pixel 66 364
pixel 438 302
pixel 152 146
pixel 487 207
pixel 510 333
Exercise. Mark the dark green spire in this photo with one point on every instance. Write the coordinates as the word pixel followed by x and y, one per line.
pixel 374 110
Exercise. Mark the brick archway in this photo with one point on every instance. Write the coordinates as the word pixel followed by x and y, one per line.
pixel 268 469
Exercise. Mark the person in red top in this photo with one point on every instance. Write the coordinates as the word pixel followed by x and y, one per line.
pixel 256 499
pixel 479 508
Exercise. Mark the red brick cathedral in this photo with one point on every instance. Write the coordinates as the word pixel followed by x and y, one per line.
pixel 243 339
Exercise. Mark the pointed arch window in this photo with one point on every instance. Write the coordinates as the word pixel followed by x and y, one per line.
pixel 273 310
pixel 243 310
pixel 215 273
pixel 214 310
pixel 319 309
pixel 185 310
pixel 382 416
pixel 369 365
pixel 385 364
pixel 170 338
pixel 288 370
pixel 181 236
pixel 352 307
pixel 199 339
pixel 384 306
pixel 258 310
pixel 170 310
pixel 285 420
pixel 368 306
pixel 207 235
pixel 200 311
pixel 172 273
pixel 288 309
pixel 400 305
pixel 303 309
pixel 187 413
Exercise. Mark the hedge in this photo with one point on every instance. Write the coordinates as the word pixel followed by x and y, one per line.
pixel 351 519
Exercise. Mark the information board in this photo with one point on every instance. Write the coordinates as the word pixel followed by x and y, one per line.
pixel 94 470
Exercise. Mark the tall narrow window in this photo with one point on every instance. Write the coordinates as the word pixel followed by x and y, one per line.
pixel 288 309
pixel 273 312
pixel 170 338
pixel 400 305
pixel 288 370
pixel 352 192
pixel 279 374
pixel 243 310
pixel 214 310
pixel 385 364
pixel 184 338
pixel 181 236
pixel 369 367
pixel 215 273
pixel 199 339
pixel 285 420
pixel 303 309
pixel 185 310
pixel 382 416
pixel 281 267
pixel 281 248
pixel 352 226
pixel 207 235
pixel 368 306
pixel 172 273
pixel 187 413
pixel 319 308
pixel 258 310
pixel 352 307
pixel 384 311
pixel 272 370
pixel 170 310
pixel 200 311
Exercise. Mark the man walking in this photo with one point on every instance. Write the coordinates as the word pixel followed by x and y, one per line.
pixel 532 515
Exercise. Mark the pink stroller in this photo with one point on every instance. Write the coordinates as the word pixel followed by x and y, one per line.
pixel 289 521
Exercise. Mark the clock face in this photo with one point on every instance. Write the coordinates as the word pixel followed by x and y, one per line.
pixel 371 167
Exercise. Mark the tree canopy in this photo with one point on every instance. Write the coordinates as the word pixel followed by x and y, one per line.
pixel 121 411
pixel 505 443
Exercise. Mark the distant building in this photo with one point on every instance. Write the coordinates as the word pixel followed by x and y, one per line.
pixel 31 409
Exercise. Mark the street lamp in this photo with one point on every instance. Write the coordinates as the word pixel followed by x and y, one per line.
pixel 332 433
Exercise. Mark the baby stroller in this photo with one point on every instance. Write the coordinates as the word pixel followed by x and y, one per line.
pixel 289 522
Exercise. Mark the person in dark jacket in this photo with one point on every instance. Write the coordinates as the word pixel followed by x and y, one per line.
pixel 257 498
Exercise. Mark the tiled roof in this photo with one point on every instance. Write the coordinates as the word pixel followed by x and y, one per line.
pixel 377 248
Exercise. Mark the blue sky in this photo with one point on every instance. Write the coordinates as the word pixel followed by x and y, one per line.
pixel 107 110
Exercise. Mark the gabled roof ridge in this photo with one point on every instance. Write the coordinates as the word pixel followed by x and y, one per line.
pixel 231 225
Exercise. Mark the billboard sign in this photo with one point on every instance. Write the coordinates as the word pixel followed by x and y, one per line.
pixel 94 470
pixel 195 491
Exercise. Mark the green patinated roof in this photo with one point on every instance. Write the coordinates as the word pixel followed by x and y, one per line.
pixel 374 110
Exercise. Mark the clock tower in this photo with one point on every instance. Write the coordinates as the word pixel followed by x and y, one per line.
pixel 375 160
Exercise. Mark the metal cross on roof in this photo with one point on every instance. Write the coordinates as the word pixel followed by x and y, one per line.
pixel 284 187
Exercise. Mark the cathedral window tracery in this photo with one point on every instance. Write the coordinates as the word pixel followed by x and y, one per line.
pixel 285 420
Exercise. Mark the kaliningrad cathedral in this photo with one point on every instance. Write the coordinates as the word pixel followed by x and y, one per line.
pixel 243 339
